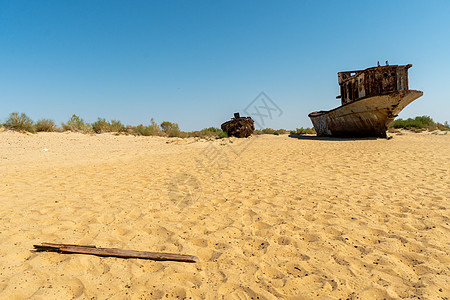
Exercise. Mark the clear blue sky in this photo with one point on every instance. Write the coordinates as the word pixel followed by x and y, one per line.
pixel 198 62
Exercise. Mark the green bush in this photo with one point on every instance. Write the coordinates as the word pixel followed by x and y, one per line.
pixel 154 128
pixel 421 122
pixel 101 125
pixel 221 135
pixel 268 131
pixel 46 125
pixel 19 122
pixel 141 130
pixel 271 131
pixel 76 123
pixel 443 127
pixel 117 126
pixel 210 132
pixel 265 131
pixel 151 130
pixel 170 129
pixel 302 130
pixel 426 121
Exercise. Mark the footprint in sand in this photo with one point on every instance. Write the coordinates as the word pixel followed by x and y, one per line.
pixel 184 189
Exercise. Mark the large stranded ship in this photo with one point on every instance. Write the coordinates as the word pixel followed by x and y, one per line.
pixel 370 98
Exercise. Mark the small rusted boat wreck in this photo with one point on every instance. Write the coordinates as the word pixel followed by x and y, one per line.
pixel 239 126
pixel 370 101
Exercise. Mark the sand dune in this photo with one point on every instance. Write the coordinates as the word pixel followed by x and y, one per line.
pixel 269 217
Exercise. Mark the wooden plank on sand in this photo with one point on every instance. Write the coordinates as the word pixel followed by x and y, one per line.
pixel 93 250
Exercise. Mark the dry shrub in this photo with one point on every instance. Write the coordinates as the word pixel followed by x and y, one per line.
pixel 45 125
pixel 171 129
pixel 302 130
pixel 419 124
pixel 19 122
pixel 151 130
pixel 76 124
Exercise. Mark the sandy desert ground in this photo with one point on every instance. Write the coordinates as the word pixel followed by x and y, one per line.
pixel 268 217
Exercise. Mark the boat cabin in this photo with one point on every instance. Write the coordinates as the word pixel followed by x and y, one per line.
pixel 373 81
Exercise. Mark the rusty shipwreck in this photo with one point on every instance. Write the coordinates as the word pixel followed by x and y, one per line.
pixel 238 126
pixel 370 101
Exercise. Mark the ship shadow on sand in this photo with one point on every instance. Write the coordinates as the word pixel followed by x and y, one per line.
pixel 330 138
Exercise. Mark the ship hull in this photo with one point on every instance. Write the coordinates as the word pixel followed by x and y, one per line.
pixel 367 117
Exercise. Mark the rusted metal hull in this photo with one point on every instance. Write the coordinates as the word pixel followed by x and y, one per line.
pixel 240 127
pixel 367 117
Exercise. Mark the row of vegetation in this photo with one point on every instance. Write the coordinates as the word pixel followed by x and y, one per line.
pixel 419 124
pixel 297 131
pixel 21 122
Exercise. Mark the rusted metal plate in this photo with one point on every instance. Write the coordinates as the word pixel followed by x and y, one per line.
pixel 372 82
